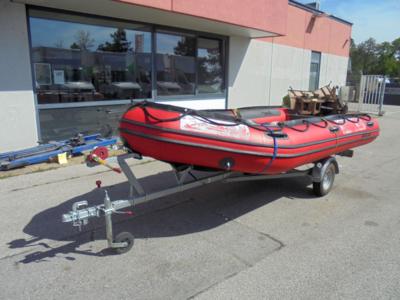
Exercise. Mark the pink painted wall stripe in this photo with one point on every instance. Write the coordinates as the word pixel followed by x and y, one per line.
pixel 297 27
pixel 320 33
pixel 265 15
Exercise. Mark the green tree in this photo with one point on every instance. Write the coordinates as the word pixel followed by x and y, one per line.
pixel 387 63
pixel 119 42
pixel 186 47
pixel 396 55
pixel 209 67
pixel 370 57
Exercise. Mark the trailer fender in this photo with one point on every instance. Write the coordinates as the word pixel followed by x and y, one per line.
pixel 320 167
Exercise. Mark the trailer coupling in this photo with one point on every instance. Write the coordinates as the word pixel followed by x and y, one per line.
pixel 81 213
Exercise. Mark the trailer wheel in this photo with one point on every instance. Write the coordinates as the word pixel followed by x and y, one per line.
pixel 127 238
pixel 325 185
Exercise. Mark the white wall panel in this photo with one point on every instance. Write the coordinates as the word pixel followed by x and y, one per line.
pixel 17 108
pixel 333 69
pixel 249 72
pixel 290 68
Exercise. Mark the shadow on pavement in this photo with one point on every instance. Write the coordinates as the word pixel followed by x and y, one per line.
pixel 183 213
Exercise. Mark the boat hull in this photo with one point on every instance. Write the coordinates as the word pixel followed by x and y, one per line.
pixel 187 140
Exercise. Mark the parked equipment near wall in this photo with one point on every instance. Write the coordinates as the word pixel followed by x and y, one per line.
pixel 204 147
pixel 323 101
pixel 43 153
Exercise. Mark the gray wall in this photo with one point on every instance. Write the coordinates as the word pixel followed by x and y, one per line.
pixel 249 72
pixel 333 69
pixel 260 73
pixel 17 105
pixel 290 68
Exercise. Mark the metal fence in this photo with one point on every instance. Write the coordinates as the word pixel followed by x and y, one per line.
pixel 372 92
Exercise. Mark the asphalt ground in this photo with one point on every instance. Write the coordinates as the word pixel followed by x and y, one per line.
pixel 251 240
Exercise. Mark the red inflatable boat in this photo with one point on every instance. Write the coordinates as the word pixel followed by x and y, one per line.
pixel 258 140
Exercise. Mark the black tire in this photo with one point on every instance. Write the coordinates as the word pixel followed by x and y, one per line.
pixel 323 187
pixel 124 237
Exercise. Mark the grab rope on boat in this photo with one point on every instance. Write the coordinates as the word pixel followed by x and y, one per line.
pixel 342 119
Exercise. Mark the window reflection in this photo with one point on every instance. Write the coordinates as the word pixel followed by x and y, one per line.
pixel 59 124
pixel 314 70
pixel 209 64
pixel 76 62
pixel 175 64
pixel 76 58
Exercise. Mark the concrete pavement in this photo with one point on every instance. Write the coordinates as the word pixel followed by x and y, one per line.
pixel 251 240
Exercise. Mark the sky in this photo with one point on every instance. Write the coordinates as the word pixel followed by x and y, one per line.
pixel 379 19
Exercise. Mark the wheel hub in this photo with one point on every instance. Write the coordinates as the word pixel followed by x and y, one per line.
pixel 327 180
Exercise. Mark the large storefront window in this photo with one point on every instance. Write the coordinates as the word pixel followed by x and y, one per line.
pixel 75 62
pixel 80 59
pixel 87 69
pixel 176 64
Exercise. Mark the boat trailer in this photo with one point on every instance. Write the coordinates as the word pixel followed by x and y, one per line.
pixel 322 175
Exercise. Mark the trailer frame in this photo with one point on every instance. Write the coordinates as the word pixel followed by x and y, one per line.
pixel 322 175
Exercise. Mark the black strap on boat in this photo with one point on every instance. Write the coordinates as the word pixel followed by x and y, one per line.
pixel 275 152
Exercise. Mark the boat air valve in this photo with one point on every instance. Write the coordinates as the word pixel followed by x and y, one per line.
pixel 98 183
pixel 227 163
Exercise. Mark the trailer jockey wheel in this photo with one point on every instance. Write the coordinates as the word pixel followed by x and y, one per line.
pixel 324 186
pixel 124 237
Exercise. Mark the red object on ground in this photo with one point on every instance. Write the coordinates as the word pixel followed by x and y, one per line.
pixel 100 152
pixel 99 155
pixel 212 139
